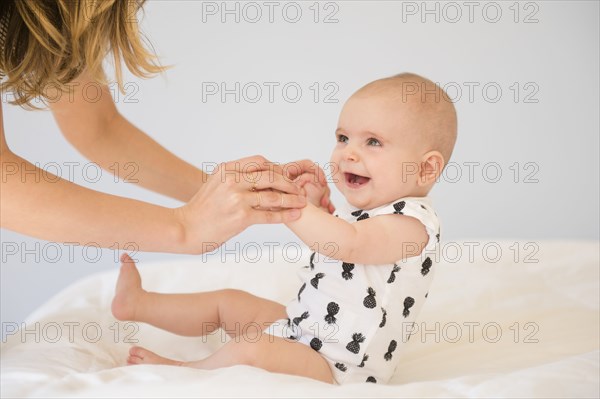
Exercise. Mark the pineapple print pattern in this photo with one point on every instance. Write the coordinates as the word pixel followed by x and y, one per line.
pixel 395 270
pixel 347 273
pixel 364 359
pixel 398 206
pixel 354 345
pixel 315 281
pixel 391 348
pixel 332 309
pixel 360 215
pixel 383 318
pixel 426 266
pixel 316 344
pixel 369 300
pixel 298 320
pixel 300 291
pixel 325 289
pixel 408 303
pixel 341 366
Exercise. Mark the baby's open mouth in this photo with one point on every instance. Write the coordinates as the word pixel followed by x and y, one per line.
pixel 356 180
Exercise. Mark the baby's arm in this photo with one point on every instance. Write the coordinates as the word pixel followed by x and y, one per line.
pixel 378 240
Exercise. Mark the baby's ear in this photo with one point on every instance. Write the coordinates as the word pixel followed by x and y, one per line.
pixel 431 168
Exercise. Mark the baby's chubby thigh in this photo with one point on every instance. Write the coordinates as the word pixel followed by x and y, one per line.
pixel 280 355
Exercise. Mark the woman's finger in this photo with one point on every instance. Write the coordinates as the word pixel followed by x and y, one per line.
pixel 294 169
pixel 274 200
pixel 247 164
pixel 263 180
pixel 254 164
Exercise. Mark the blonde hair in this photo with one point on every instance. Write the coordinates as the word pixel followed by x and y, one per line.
pixel 51 42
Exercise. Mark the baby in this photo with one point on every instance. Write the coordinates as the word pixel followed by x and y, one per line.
pixel 371 269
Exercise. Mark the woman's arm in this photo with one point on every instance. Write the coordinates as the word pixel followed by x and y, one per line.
pixel 379 240
pixel 55 209
pixel 101 134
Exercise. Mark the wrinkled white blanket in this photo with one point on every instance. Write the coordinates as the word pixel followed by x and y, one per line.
pixel 504 329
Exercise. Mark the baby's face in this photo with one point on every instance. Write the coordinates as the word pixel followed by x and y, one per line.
pixel 378 152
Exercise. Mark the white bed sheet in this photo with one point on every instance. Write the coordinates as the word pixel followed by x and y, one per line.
pixel 559 296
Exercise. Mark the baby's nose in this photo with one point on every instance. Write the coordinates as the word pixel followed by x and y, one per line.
pixel 351 155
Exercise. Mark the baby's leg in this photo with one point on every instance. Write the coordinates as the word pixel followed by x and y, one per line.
pixel 190 314
pixel 267 352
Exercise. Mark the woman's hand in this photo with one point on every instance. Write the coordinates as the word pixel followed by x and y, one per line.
pixel 236 195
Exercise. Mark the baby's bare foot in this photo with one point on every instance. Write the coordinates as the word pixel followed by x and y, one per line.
pixel 128 292
pixel 139 355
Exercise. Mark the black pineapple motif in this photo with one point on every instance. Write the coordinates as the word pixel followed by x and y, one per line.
pixel 391 348
pixel 383 319
pixel 360 214
pixel 364 359
pixel 372 379
pixel 347 273
pixel 369 300
pixel 408 302
pixel 292 336
pixel 312 258
pixel 341 367
pixel 423 206
pixel 315 281
pixel 316 344
pixel 300 291
pixel 332 309
pixel 297 320
pixel 426 266
pixel 395 270
pixel 438 237
pixel 354 345
pixel 398 206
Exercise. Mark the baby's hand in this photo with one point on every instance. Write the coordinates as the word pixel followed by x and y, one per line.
pixel 315 193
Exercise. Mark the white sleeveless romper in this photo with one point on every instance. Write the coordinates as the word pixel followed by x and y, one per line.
pixel 359 316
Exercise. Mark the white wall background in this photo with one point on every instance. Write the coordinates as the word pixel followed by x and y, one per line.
pixel 551 130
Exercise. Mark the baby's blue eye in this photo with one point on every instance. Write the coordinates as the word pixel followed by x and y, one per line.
pixel 373 142
pixel 342 138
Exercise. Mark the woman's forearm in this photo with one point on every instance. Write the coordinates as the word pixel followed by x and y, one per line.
pixel 126 150
pixel 100 133
pixel 57 210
